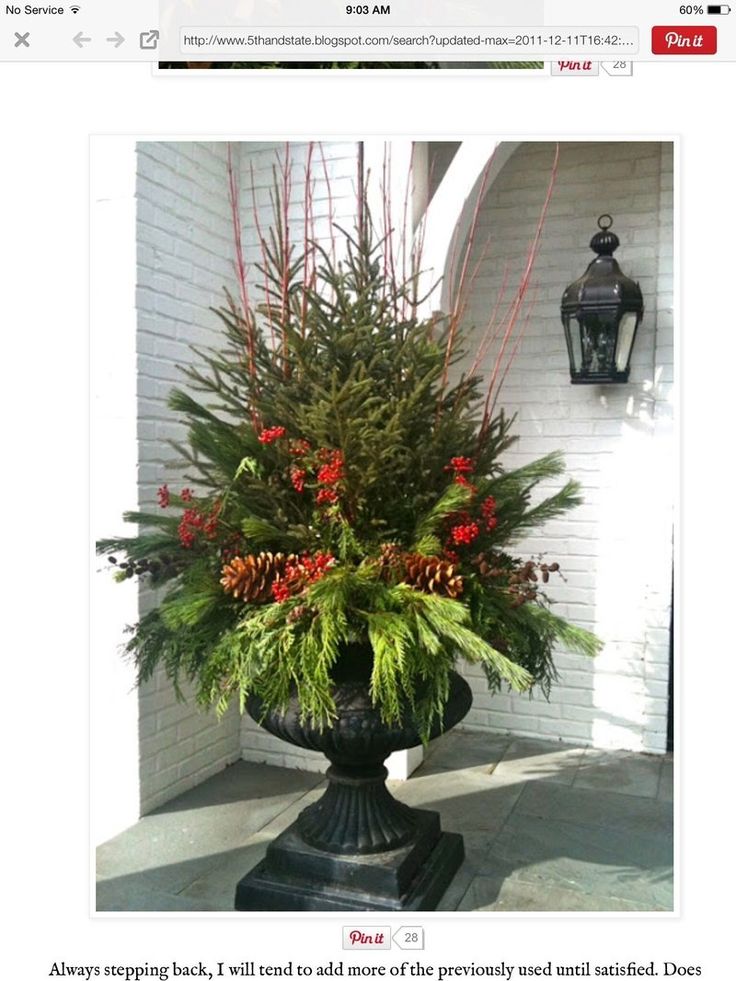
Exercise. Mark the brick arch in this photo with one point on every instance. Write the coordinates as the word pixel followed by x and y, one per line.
pixel 447 220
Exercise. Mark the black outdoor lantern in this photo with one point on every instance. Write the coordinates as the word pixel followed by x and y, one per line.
pixel 601 313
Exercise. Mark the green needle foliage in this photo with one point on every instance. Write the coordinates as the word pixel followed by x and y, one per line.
pixel 342 491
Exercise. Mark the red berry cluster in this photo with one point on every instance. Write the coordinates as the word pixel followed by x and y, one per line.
pixel 281 591
pixel 212 522
pixel 328 464
pixel 464 482
pixel 326 496
pixel 461 528
pixel 193 522
pixel 164 495
pixel 332 470
pixel 488 511
pixel 464 534
pixel 330 474
pixel 298 476
pixel 300 573
pixel 460 465
pixel 271 435
pixel 299 447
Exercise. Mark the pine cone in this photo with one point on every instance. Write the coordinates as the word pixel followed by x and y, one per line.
pixel 432 575
pixel 252 578
pixel 389 561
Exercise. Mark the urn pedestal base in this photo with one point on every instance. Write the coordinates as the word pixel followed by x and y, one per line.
pixel 295 876
pixel 357 847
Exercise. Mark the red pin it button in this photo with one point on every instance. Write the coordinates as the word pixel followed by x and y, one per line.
pixel 684 40
pixel 366 938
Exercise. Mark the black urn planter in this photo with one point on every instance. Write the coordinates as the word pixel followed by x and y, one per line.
pixel 357 848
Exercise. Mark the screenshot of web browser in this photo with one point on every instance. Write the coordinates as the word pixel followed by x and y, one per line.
pixel 368 469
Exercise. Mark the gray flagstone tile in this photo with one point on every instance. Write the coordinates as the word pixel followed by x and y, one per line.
pixel 600 809
pixel 624 773
pixel 515 895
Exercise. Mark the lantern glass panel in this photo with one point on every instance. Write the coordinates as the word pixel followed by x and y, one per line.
pixel 626 331
pixel 573 331
pixel 597 334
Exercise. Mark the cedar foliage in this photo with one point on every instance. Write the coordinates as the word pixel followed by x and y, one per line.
pixel 335 359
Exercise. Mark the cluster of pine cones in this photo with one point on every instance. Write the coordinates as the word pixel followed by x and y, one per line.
pixel 252 577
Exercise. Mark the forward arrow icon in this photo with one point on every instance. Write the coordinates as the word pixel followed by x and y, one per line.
pixel 117 39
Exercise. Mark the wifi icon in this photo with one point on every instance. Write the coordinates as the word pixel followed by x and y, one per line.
pixel 74 10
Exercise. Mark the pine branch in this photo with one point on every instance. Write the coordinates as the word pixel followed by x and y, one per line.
pixel 453 499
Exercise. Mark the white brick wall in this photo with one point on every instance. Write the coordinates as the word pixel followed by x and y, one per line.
pixel 615 550
pixel 184 240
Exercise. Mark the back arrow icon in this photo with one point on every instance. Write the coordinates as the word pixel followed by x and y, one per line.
pixel 80 40
pixel 117 39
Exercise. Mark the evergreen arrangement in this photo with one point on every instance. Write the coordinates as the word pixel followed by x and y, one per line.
pixel 344 486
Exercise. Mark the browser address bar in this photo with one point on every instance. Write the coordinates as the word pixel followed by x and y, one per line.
pixel 409 42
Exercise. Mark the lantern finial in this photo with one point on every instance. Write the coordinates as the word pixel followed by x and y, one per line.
pixel 605 242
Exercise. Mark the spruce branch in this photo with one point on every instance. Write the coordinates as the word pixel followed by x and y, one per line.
pixel 455 497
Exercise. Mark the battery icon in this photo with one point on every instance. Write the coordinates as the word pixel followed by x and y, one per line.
pixel 719 8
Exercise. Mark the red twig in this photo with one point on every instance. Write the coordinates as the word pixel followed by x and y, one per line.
pixel 389 230
pixel 285 254
pixel 514 352
pixel 462 302
pixel 455 312
pixel 240 267
pixel 418 239
pixel 264 257
pixel 330 207
pixel 492 328
pixel 361 191
pixel 308 217
pixel 386 221
pixel 312 238
pixel 492 392
pixel 406 234
pixel 416 267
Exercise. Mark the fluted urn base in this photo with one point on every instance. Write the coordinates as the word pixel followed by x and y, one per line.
pixel 357 848
pixel 297 876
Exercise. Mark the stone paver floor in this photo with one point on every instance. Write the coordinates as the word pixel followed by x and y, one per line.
pixel 547 827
